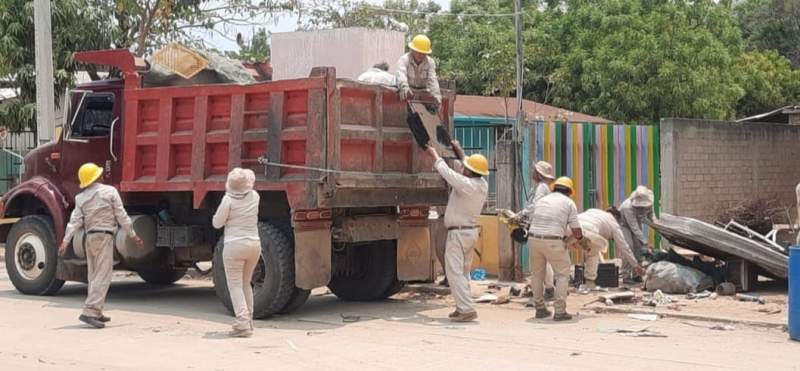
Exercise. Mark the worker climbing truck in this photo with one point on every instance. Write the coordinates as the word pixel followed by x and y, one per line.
pixel 345 190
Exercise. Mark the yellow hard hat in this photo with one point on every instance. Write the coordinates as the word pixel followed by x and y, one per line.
pixel 421 43
pixel 88 174
pixel 565 182
pixel 477 164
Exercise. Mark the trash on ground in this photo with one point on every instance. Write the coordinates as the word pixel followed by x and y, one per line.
pixel 750 298
pixel 350 318
pixel 612 298
pixel 657 298
pixel 637 332
pixel 312 333
pixel 291 345
pixel 700 295
pixel 770 310
pixel 643 317
pixel 479 274
pixel 503 297
pixel 726 289
pixel 672 278
pixel 718 326
pixel 486 298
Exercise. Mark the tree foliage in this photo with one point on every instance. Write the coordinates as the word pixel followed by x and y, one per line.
pixel 254 50
pixel 410 16
pixel 771 24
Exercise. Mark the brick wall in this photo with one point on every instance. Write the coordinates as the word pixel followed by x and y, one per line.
pixel 707 166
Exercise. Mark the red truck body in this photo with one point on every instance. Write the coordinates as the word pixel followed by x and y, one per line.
pixel 336 165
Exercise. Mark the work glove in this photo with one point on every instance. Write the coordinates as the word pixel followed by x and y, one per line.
pixel 405 93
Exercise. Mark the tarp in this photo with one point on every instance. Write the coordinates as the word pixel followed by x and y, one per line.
pixel 716 242
pixel 220 70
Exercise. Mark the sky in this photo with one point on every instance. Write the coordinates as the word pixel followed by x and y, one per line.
pixel 284 23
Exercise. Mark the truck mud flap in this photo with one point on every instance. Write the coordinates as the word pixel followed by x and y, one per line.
pixel 414 255
pixel 312 254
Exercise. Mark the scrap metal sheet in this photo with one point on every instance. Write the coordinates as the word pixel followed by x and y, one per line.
pixel 716 242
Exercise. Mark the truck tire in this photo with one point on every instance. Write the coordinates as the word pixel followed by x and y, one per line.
pixel 369 272
pixel 273 280
pixel 299 297
pixel 394 288
pixel 161 276
pixel 32 256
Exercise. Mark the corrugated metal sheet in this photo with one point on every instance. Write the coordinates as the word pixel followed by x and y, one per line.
pixel 350 50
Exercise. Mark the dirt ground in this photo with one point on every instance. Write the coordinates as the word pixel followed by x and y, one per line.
pixel 183 327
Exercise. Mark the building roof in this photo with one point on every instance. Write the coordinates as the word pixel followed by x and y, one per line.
pixel 474 105
pixel 780 115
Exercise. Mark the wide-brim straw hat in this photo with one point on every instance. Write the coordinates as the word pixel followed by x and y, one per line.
pixel 642 197
pixel 240 181
pixel 545 170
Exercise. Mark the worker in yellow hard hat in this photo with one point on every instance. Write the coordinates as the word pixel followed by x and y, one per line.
pixel 554 217
pixel 417 70
pixel 468 194
pixel 99 211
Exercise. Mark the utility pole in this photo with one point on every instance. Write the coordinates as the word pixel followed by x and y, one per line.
pixel 516 142
pixel 45 101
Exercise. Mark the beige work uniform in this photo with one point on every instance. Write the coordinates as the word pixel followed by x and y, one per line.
pixel 418 76
pixel 554 214
pixel 541 190
pixel 238 213
pixel 99 211
pixel 631 223
pixel 606 227
pixel 461 218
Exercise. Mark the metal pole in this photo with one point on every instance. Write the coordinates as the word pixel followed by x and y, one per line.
pixel 45 98
pixel 518 24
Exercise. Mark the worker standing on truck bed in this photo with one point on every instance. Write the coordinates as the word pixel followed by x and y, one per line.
pixel 543 177
pixel 598 228
pixel 468 194
pixel 99 211
pixel 634 212
pixel 553 219
pixel 238 213
pixel 417 70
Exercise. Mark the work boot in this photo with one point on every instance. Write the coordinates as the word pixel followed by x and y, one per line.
pixel 590 284
pixel 104 319
pixel 92 321
pixel 454 314
pixel 549 293
pixel 543 313
pixel 444 282
pixel 562 317
pixel 246 333
pixel 465 317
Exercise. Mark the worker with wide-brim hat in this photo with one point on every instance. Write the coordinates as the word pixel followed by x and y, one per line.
pixel 468 194
pixel 99 211
pixel 636 211
pixel 417 70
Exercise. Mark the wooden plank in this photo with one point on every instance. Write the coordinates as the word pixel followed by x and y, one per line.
pixel 129 133
pixel 199 138
pixel 276 118
pixel 164 162
pixel 377 111
pixel 235 131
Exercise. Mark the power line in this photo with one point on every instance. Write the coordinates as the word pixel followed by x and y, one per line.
pixel 440 14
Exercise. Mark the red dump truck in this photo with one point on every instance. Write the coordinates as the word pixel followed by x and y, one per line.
pixel 345 190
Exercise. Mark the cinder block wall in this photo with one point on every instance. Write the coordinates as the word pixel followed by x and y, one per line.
pixel 710 165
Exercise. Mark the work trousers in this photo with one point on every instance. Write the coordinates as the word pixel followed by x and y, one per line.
pixel 99 265
pixel 636 249
pixel 591 258
pixel 458 260
pixel 555 253
pixel 240 258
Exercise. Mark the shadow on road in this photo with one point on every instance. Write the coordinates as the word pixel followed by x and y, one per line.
pixel 197 300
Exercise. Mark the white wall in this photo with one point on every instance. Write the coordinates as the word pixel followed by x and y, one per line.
pixel 350 50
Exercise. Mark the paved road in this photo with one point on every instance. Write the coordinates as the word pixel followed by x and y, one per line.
pixel 182 328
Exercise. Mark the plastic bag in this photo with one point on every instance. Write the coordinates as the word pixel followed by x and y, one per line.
pixel 674 278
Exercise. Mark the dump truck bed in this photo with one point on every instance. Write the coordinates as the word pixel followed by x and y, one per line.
pixel 326 142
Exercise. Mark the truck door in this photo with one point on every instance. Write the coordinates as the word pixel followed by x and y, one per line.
pixel 87 137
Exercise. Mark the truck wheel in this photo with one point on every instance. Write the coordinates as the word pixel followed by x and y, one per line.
pixel 32 256
pixel 273 279
pixel 394 288
pixel 161 276
pixel 365 273
pixel 299 297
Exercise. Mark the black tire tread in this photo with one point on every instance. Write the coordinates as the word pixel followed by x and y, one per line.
pixel 46 224
pixel 161 276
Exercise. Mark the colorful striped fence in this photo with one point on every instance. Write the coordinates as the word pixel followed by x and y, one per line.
pixel 606 162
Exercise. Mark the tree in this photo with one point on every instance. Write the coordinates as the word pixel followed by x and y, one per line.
pixel 771 24
pixel 409 16
pixel 255 50
pixel 75 27
pixel 768 80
